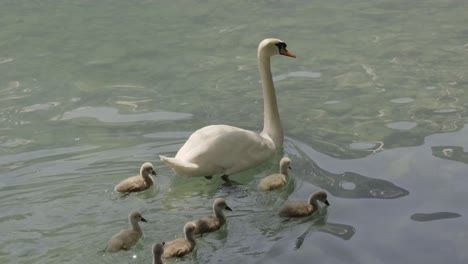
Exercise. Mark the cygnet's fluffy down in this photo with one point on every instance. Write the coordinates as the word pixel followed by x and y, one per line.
pixel 213 222
pixel 158 250
pixel 127 238
pixel 277 180
pixel 181 246
pixel 300 209
pixel 137 183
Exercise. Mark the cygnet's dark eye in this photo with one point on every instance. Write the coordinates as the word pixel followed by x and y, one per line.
pixel 281 45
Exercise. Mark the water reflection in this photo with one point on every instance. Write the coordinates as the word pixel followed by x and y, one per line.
pixel 109 114
pixel 308 74
pixel 420 217
pixel 347 184
pixel 345 232
pixel 353 185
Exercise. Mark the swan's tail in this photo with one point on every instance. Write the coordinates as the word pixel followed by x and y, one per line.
pixel 181 167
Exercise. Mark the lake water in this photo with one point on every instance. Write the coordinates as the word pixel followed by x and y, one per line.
pixel 374 111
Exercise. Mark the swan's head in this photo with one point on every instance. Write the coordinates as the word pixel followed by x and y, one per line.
pixel 285 163
pixel 136 217
pixel 273 46
pixel 189 229
pixel 148 169
pixel 321 196
pixel 220 204
pixel 158 249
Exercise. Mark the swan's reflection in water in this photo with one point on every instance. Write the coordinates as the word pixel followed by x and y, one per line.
pixel 353 185
pixel 344 185
pixel 320 224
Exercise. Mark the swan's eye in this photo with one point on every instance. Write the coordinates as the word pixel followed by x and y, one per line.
pixel 281 45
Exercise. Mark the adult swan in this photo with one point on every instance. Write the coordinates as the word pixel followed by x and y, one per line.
pixel 222 149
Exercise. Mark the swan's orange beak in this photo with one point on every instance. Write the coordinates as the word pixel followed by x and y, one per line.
pixel 286 52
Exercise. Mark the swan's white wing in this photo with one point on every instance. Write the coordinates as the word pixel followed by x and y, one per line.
pixel 221 149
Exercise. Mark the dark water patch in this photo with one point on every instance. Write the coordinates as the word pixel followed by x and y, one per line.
pixel 345 232
pixel 448 99
pixel 320 224
pixel 454 153
pixel 420 217
pixel 353 185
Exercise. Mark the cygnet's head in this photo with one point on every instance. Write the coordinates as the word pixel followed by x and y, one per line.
pixel 147 168
pixel 220 203
pixel 158 249
pixel 273 46
pixel 189 228
pixel 136 217
pixel 285 163
pixel 320 196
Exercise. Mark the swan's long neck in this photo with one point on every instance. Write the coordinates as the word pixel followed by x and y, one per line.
pixel 313 202
pixel 271 119
pixel 157 259
pixel 218 213
pixel 284 169
pixel 135 226
pixel 147 178
pixel 189 236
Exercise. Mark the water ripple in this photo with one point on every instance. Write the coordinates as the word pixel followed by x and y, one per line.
pixel 111 115
pixel 296 74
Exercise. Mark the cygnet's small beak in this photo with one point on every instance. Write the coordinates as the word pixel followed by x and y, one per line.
pixel 153 172
pixel 286 52
pixel 163 243
pixel 326 202
pixel 143 220
pixel 228 208
pixel 290 167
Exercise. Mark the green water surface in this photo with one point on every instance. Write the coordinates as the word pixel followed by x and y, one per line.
pixel 374 111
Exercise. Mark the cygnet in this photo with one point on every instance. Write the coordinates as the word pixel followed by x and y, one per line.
pixel 299 209
pixel 277 180
pixel 181 246
pixel 137 183
pixel 213 222
pixel 127 238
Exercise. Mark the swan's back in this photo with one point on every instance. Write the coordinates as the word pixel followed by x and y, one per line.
pixel 133 184
pixel 296 209
pixel 273 181
pixel 221 149
pixel 125 239
pixel 177 248
pixel 208 224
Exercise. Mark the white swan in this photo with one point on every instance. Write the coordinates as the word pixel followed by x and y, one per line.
pixel 223 149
